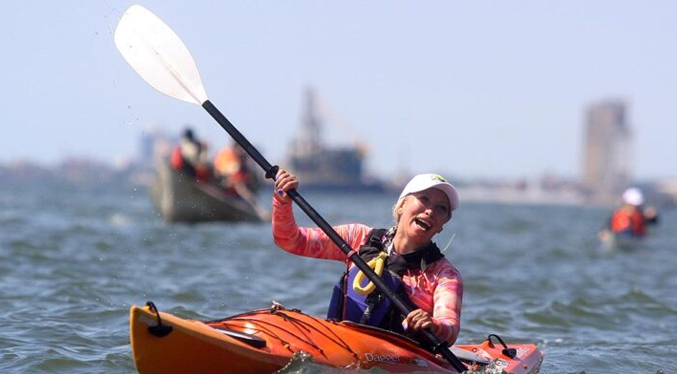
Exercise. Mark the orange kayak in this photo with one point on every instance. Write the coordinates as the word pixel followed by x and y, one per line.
pixel 264 341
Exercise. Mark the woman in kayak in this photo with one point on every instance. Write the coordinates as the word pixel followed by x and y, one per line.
pixel 414 266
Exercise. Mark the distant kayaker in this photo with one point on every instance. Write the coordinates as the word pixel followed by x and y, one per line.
pixel 631 219
pixel 414 266
pixel 233 171
pixel 190 156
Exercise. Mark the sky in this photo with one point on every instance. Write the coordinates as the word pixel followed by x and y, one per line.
pixel 493 89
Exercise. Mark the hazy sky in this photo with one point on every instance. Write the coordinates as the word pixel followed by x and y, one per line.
pixel 472 88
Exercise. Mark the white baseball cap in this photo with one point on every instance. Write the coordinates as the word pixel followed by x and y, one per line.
pixel 633 196
pixel 422 182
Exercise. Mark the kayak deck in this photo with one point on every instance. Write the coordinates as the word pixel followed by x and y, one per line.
pixel 264 341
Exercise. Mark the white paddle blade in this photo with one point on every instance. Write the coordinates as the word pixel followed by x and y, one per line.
pixel 158 55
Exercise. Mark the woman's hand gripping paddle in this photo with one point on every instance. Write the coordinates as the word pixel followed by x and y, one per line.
pixel 159 56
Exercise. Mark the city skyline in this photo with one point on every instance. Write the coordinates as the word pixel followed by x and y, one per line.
pixel 482 89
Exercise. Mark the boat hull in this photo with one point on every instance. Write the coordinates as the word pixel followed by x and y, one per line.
pixel 264 341
pixel 179 198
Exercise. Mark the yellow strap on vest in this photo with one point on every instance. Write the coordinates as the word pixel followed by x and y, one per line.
pixel 376 264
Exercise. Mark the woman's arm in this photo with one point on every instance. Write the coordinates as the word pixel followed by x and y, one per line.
pixel 304 241
pixel 311 242
pixel 448 297
pixel 438 293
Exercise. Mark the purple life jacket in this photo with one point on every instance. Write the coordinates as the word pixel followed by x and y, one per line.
pixel 375 309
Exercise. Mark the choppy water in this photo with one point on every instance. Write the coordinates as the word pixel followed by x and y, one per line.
pixel 72 262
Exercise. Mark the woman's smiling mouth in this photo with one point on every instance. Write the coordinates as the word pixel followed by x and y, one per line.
pixel 423 223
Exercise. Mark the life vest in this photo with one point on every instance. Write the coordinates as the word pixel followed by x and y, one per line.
pixel 374 308
pixel 628 222
pixel 227 162
pixel 176 159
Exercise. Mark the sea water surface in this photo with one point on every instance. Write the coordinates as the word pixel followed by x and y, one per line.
pixel 73 261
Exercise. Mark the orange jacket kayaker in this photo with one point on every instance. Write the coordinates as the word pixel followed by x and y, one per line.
pixel 631 219
pixel 424 206
pixel 231 168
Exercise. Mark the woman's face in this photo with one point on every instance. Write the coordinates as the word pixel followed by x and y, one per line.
pixel 423 215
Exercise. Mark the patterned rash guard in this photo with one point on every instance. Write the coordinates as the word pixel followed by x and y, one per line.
pixel 438 290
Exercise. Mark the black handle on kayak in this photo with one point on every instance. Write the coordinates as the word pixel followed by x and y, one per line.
pixel 271 171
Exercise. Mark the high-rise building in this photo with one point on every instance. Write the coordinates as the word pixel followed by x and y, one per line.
pixel 607 151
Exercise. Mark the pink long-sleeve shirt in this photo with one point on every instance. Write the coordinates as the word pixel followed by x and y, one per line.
pixel 438 290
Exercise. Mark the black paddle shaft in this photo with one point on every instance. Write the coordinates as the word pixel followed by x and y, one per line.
pixel 271 171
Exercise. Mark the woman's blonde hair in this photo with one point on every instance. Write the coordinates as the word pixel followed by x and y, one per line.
pixel 397 209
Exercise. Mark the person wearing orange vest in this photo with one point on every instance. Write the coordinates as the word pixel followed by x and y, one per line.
pixel 231 167
pixel 233 174
pixel 228 167
pixel 631 218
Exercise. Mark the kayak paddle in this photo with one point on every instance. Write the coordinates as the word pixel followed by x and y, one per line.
pixel 159 56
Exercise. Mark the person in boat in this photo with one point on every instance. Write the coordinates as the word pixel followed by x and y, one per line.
pixel 414 267
pixel 233 172
pixel 631 218
pixel 190 156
